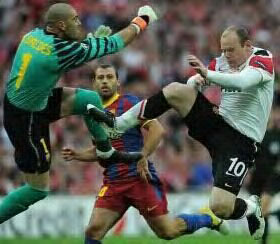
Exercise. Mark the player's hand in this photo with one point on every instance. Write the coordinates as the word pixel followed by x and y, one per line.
pixel 102 31
pixel 68 154
pixel 146 16
pixel 143 170
pixel 149 12
pixel 199 80
pixel 197 65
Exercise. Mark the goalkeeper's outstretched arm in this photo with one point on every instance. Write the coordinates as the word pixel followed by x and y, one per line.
pixel 146 16
pixel 75 54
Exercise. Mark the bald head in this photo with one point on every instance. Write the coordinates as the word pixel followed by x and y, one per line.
pixel 62 19
pixel 241 32
pixel 59 12
pixel 236 45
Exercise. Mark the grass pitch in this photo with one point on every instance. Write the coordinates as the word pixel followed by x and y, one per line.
pixel 201 239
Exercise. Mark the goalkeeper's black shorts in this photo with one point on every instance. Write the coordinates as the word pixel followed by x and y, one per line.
pixel 29 133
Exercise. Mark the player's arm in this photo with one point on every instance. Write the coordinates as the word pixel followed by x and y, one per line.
pixel 146 16
pixel 73 54
pixel 248 77
pixel 88 155
pixel 245 79
pixel 152 138
pixel 197 81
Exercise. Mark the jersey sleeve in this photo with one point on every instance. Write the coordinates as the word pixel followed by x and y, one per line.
pixel 264 65
pixel 72 54
pixel 245 79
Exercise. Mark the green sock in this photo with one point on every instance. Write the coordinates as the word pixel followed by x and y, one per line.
pixel 97 131
pixel 82 99
pixel 19 200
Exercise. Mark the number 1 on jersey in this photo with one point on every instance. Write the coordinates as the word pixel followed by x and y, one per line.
pixel 26 58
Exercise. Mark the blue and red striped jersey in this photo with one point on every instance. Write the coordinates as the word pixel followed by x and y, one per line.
pixel 130 141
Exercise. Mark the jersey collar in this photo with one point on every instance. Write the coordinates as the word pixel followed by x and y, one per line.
pixel 111 100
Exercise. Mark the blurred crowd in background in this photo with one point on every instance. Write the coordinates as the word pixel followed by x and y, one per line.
pixel 155 59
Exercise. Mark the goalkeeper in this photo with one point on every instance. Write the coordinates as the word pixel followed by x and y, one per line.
pixel 31 102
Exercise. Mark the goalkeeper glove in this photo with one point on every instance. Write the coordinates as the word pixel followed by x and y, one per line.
pixel 146 16
pixel 102 31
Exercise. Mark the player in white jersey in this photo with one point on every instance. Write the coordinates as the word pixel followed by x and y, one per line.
pixel 230 132
pixel 245 105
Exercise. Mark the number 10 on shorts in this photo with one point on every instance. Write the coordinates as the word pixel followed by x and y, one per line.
pixel 237 169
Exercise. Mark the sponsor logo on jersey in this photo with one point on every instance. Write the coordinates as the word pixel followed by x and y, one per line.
pixel 261 64
pixel 230 90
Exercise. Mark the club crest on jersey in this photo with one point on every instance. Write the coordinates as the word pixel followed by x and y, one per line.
pixel 261 64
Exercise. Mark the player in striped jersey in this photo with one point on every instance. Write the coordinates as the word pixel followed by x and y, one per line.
pixel 232 131
pixel 122 184
pixel 31 103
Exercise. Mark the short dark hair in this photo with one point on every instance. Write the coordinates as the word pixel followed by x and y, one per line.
pixel 241 31
pixel 105 66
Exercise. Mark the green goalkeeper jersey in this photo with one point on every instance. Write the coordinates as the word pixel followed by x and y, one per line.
pixel 42 58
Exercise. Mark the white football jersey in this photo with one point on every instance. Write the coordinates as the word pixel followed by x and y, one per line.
pixel 248 110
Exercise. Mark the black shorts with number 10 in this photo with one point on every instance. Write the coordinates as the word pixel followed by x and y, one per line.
pixel 232 153
pixel 29 133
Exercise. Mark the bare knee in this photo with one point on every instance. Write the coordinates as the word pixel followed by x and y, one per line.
pixel 173 91
pixel 222 210
pixel 180 97
pixel 38 181
pixel 95 231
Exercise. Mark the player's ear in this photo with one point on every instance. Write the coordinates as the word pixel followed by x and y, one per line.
pixel 93 83
pixel 248 44
pixel 118 83
pixel 61 25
